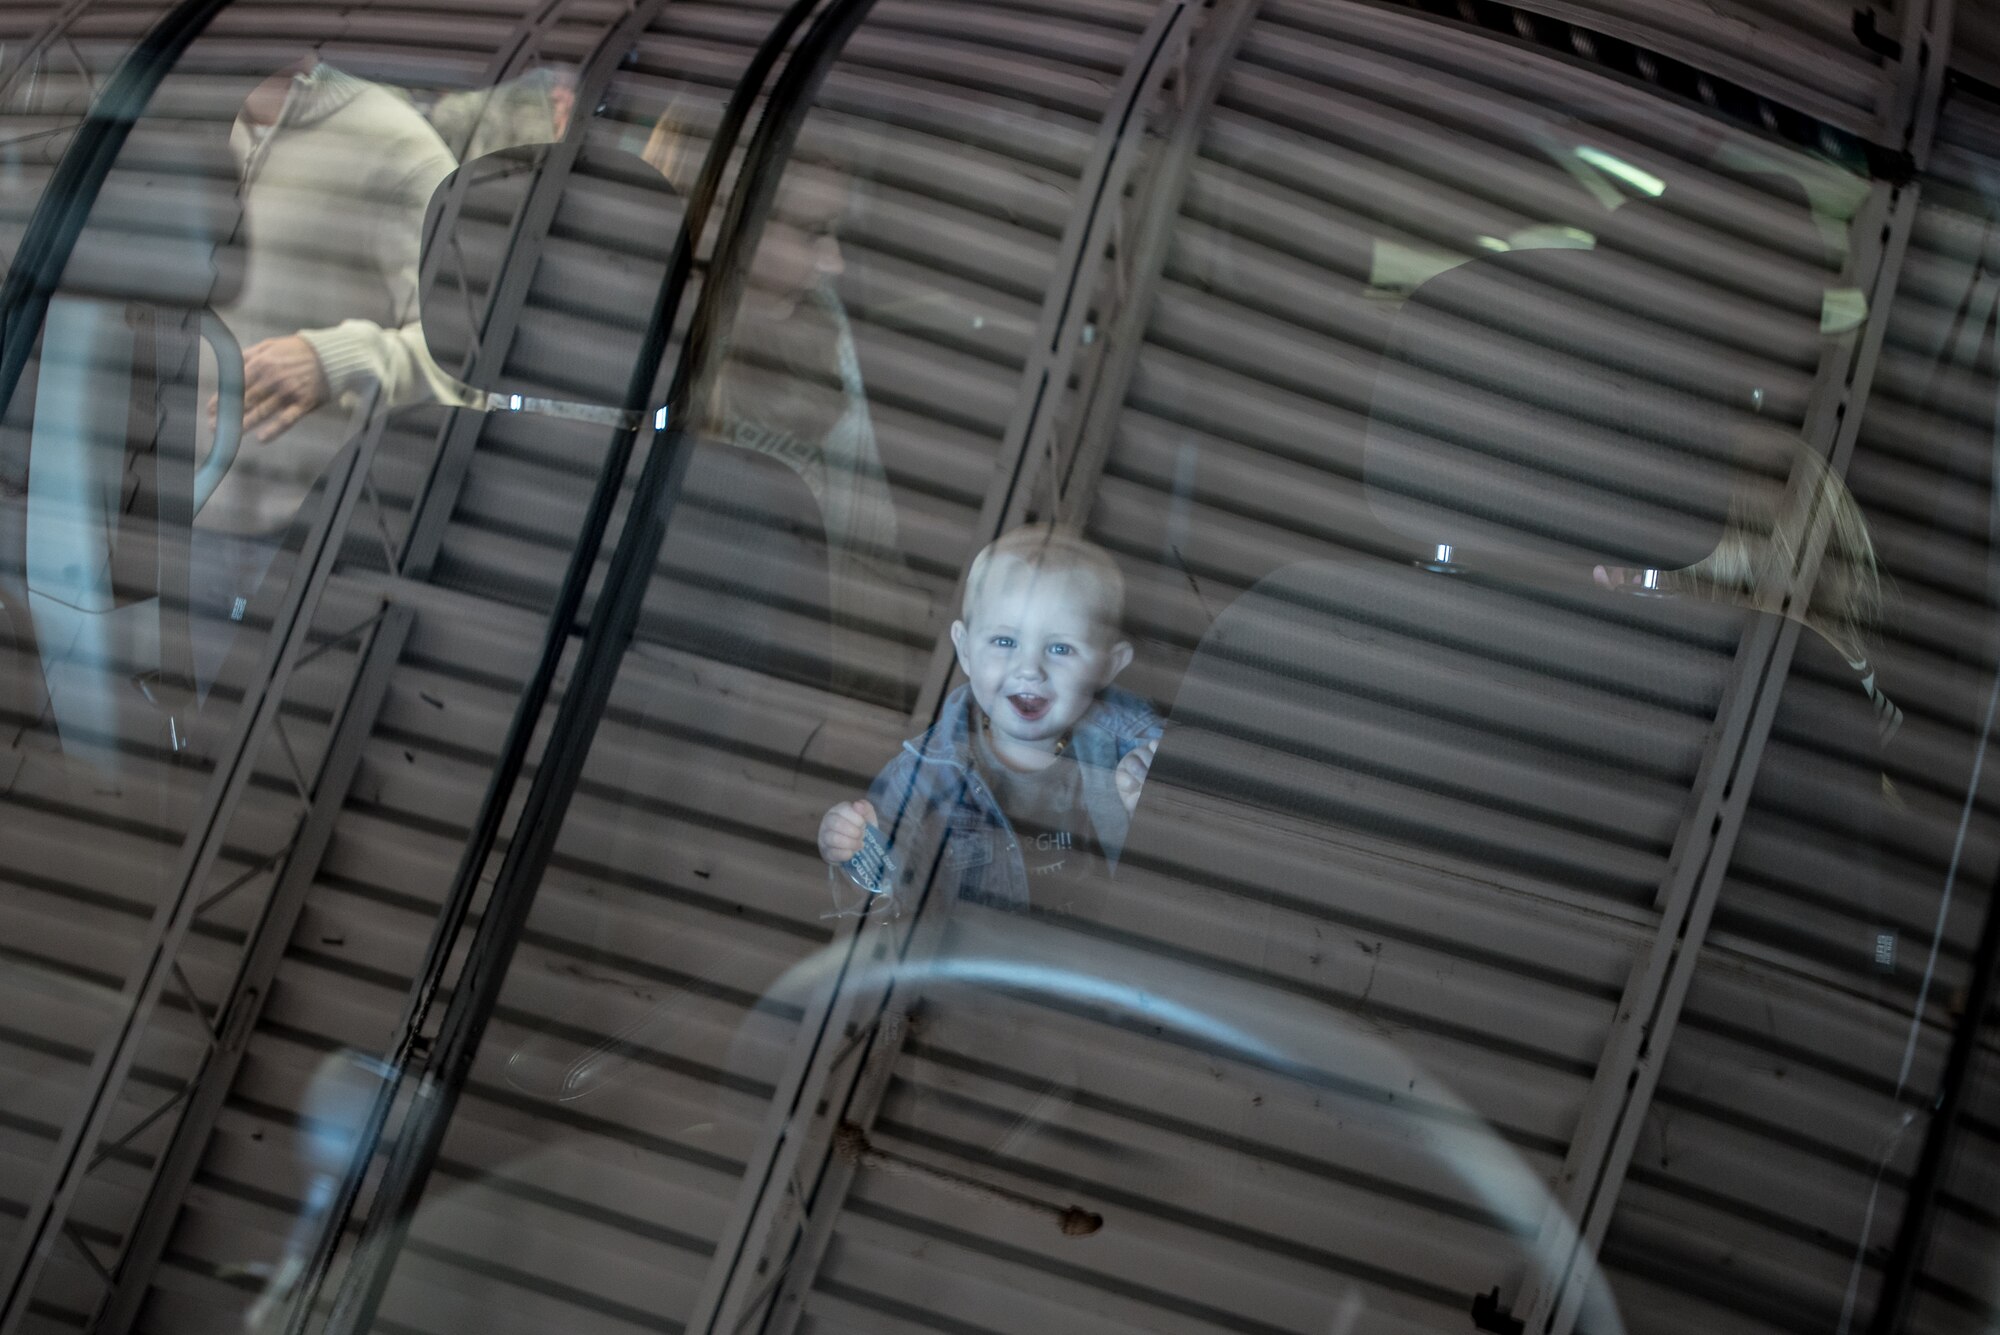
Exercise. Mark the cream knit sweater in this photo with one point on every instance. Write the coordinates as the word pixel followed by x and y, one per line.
pixel 333 195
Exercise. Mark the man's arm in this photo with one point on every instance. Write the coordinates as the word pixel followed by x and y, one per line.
pixel 286 378
pixel 355 354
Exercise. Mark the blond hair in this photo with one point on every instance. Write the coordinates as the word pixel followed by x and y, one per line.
pixel 1051 549
pixel 1766 536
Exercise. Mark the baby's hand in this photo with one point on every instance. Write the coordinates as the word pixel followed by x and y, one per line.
pixel 1132 771
pixel 841 829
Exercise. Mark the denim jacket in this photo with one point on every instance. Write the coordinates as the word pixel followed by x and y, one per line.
pixel 937 813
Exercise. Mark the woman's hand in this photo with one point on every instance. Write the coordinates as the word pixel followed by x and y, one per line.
pixel 1131 774
pixel 842 828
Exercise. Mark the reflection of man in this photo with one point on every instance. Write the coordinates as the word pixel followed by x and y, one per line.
pixel 336 174
pixel 533 109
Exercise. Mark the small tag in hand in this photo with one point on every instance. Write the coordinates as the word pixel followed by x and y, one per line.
pixel 872 868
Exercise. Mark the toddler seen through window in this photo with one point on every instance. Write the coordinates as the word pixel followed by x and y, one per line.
pixel 1023 789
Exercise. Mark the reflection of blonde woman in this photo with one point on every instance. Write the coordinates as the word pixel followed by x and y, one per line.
pixel 1771 521
pixel 790 387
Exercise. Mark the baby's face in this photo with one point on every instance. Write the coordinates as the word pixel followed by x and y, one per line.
pixel 1037 651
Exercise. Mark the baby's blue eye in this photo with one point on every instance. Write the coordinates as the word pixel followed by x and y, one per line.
pixel 1061 649
pixel 1003 641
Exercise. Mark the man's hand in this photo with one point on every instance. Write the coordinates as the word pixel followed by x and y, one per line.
pixel 1131 773
pixel 282 382
pixel 841 829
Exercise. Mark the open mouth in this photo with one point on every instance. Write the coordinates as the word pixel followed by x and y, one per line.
pixel 1029 707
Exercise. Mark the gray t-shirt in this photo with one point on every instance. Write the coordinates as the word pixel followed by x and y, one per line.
pixel 1059 846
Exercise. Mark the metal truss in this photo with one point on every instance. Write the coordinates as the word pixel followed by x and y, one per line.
pixel 1931 27
pixel 1909 121
pixel 1904 1264
pixel 1134 273
pixel 88 1141
pixel 296 866
pixel 605 639
pixel 839 1072
pixel 27 53
pixel 1628 1070
pixel 404 590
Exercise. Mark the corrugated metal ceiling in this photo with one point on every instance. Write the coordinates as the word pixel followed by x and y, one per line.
pixel 1321 1177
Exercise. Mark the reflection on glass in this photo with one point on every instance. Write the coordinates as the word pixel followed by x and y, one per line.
pixel 1487 774
pixel 316 323
pixel 1776 527
pixel 793 392
pixel 532 109
pixel 335 176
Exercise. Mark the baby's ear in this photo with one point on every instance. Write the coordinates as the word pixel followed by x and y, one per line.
pixel 1120 658
pixel 958 641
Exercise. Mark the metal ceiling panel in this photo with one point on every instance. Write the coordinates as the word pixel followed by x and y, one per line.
pixel 1333 1171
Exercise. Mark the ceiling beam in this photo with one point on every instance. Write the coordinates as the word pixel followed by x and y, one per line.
pixel 1931 26
pixel 1910 120
pixel 27 52
pixel 1563 1267
pixel 1142 258
pixel 795 73
pixel 201 849
pixel 793 1195
pixel 264 951
pixel 503 316
pixel 1904 1265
